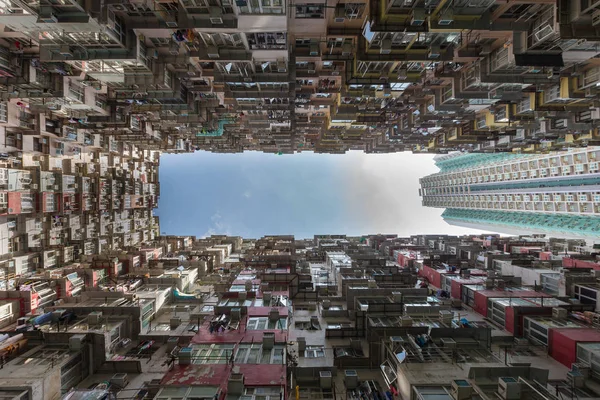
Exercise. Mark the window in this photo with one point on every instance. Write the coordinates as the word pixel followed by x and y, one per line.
pixel 203 6
pixel 262 393
pixel 3 112
pixel 167 79
pixel 263 7
pixel 263 323
pixel 187 393
pixel 267 41
pixel 310 11
pixel 212 353
pixel 222 39
pixel 234 68
pixel 76 92
pixel 314 352
pixel 140 11
pixel 160 41
pixel 365 67
pixel 253 353
pixel 303 42
pixel 432 393
pixel 115 25
pixel 338 42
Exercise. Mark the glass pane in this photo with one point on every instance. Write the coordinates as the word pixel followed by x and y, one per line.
pixel 241 355
pixel 253 358
pixel 266 357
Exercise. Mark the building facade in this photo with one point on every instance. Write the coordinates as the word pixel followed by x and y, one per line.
pixel 555 193
pixel 324 76
pixel 228 318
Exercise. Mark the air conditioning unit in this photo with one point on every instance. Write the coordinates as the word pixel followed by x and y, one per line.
pixel 94 318
pixel 46 16
pixel 340 14
pixel 76 342
pixel 560 124
pixel 215 15
pixel 268 340
pixel 403 73
pixel 418 17
pixel 236 314
pixel 351 379
pixel 34 186
pixel 435 52
pixel 235 385
pixel 274 314
pixel 119 380
pixel 281 67
pixel 174 322
pixel 446 17
pixel 171 24
pixel 509 388
pixel 347 49
pixel 461 390
pixel 325 379
pixel 314 49
pixel 386 46
pixel 213 52
pixel 559 313
pixel 266 298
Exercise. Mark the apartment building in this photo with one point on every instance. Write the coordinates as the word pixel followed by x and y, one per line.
pixel 555 193
pixel 461 317
pixel 324 76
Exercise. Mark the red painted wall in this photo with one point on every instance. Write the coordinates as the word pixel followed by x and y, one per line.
pixel 455 289
pixel 509 319
pixel 433 276
pixel 402 260
pixel 480 304
pixel 563 342
pixel 575 263
pixel 14 202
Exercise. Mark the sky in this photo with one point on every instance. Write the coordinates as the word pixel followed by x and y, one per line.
pixel 255 194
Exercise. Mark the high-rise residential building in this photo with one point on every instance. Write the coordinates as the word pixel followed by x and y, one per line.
pixel 333 317
pixel 326 75
pixel 556 193
pixel 96 304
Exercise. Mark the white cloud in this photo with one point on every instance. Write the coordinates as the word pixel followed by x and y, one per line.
pixel 216 217
pixel 247 194
pixel 219 227
pixel 382 195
